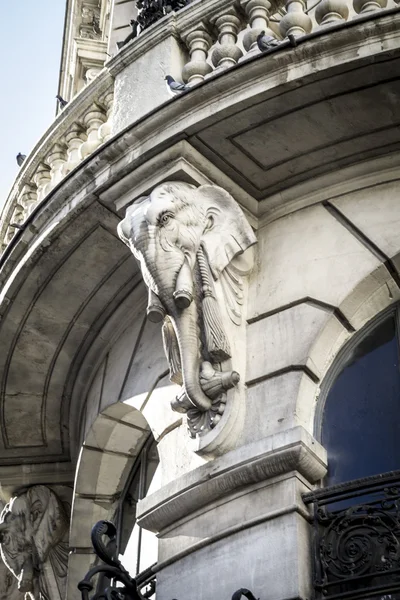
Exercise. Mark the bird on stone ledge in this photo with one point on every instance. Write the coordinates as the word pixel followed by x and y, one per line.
pixel 20 158
pixel 174 87
pixel 63 103
pixel 266 42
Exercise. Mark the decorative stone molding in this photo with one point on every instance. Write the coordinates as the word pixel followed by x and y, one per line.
pixel 188 242
pixel 273 456
pixel 33 542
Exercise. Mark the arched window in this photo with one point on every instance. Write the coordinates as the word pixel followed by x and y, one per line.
pixel 357 511
pixel 137 547
pixel 360 426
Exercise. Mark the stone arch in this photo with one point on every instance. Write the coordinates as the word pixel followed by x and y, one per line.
pixel 371 297
pixel 107 456
pixel 371 215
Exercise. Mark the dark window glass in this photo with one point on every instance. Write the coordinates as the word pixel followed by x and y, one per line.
pixel 361 421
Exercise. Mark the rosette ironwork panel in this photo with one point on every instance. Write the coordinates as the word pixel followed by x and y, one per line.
pixel 357 538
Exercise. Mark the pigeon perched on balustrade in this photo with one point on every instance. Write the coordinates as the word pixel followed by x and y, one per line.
pixel 266 42
pixel 20 158
pixel 174 87
pixel 63 103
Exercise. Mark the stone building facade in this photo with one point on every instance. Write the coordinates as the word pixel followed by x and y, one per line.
pixel 198 306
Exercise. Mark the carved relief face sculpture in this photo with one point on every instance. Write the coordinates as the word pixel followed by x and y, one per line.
pixel 32 527
pixel 185 239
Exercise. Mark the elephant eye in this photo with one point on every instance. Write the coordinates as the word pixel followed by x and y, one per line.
pixel 164 218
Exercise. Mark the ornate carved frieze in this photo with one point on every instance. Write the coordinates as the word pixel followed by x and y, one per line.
pixel 33 542
pixel 90 23
pixel 188 242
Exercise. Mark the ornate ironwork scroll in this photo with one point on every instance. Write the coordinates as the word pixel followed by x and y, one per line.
pixel 121 585
pixel 152 11
pixel 357 537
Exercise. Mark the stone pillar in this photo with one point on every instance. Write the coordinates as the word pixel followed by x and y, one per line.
pixel 329 12
pixel 56 159
pixel 29 198
pixel 296 22
pixel 257 12
pixel 92 121
pixel 227 53
pixel 74 138
pixel 105 129
pixel 365 6
pixel 42 179
pixel 198 42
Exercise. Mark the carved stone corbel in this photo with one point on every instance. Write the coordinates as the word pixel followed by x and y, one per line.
pixel 188 242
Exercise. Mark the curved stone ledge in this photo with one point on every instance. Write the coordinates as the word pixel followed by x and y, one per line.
pixel 293 450
pixel 86 122
pixel 113 173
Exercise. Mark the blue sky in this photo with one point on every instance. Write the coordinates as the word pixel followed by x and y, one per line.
pixel 30 46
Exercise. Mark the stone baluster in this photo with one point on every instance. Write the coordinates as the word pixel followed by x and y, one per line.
pixel 92 121
pixel 365 6
pixel 331 11
pixel 105 129
pixel 74 138
pixel 227 53
pixel 56 159
pixel 257 12
pixel 29 198
pixel 198 42
pixel 296 22
pixel 42 180
pixel 18 215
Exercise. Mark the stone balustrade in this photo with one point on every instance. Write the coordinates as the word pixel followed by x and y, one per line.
pixel 76 132
pixel 217 35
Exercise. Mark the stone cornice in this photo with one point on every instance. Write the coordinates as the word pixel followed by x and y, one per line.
pixel 293 450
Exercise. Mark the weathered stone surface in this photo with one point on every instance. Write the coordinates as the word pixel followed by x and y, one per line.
pixel 307 254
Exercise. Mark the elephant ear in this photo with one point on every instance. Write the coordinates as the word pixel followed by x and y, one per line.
pixel 228 232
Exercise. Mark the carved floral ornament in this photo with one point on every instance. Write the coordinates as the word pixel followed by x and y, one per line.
pixel 188 242
pixel 33 543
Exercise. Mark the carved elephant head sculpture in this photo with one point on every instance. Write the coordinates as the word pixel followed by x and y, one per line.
pixel 32 527
pixel 185 238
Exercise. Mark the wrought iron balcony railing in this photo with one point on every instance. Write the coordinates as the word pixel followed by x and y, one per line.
pixel 115 583
pixel 357 538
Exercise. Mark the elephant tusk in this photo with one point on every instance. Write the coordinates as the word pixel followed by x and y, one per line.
pixel 155 310
pixel 183 294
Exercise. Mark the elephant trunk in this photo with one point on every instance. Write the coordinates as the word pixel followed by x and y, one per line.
pixel 185 324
